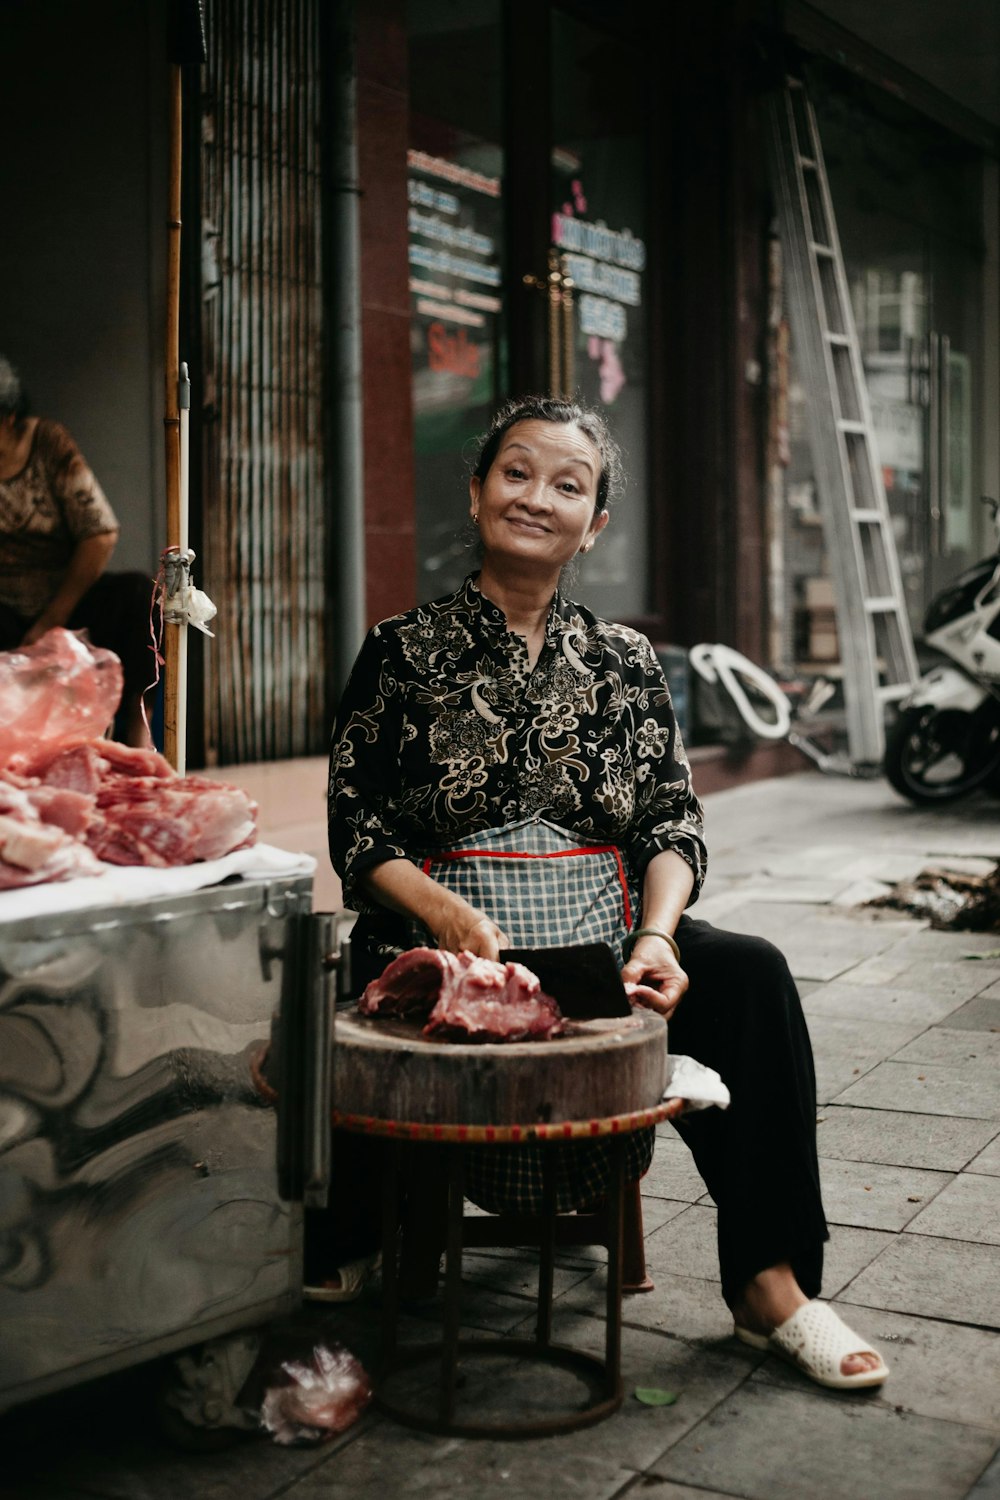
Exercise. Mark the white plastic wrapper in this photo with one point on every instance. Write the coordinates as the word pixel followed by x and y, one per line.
pixel 692 1081
pixel 317 1399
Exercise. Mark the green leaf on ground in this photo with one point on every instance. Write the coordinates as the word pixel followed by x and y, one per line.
pixel 990 953
pixel 652 1395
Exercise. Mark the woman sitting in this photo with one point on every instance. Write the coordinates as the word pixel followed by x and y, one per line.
pixel 506 703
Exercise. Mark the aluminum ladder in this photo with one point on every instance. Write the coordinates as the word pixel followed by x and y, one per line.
pixel 876 643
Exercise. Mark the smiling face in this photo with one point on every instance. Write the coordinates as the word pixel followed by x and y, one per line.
pixel 537 504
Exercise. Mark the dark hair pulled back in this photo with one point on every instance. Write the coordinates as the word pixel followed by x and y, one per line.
pixel 555 409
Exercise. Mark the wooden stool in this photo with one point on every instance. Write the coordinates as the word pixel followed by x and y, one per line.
pixel 437 1177
pixel 425 1232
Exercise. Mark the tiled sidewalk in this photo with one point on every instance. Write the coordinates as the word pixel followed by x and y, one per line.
pixel 906 1030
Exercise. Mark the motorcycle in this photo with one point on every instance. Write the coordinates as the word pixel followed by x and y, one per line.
pixel 946 739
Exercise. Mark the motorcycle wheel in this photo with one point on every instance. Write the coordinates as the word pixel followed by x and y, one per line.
pixel 941 754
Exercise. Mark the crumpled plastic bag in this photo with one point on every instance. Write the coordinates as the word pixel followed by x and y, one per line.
pixel 692 1081
pixel 59 690
pixel 318 1399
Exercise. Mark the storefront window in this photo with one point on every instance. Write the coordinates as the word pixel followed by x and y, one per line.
pixel 599 229
pixel 455 170
pixel 908 202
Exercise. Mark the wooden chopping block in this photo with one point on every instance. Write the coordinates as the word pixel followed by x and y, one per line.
pixel 386 1069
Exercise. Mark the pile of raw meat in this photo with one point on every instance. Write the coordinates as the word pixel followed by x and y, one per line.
pixel 69 799
pixel 464 998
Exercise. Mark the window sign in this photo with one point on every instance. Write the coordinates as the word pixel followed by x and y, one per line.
pixel 455 229
pixel 598 228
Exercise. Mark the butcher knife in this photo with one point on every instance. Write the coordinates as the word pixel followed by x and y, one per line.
pixel 582 979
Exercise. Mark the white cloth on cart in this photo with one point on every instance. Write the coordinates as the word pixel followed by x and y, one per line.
pixel 127 884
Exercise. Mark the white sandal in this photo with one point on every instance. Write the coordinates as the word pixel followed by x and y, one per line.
pixel 351 1281
pixel 816 1340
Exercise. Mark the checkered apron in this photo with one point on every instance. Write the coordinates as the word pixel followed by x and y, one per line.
pixel 544 888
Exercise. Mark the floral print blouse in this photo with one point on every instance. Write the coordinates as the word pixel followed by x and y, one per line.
pixel 444 730
pixel 45 510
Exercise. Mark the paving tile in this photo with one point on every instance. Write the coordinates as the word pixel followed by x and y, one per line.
pixel 664 1489
pixel 394 1460
pixel 933 1278
pixel 956 981
pixel 847 1252
pixel 936 1369
pixel 936 1142
pixel 987 1487
pixel 877 1003
pixel 766 1444
pixel 967 1209
pixel 982 1013
pixel 659 1211
pixel 818 943
pixel 958 1049
pixel 673 1174
pixel 988 1160
pixel 700 1377
pixel 864 1041
pixel 933 942
pixel 845 1048
pixel 834 1074
pixel 877 1197
pixel 390 1460
pixel 517 1274
pixel 682 1307
pixel 686 1246
pixel 926 1088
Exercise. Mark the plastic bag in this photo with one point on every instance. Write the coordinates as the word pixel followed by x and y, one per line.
pixel 316 1399
pixel 59 690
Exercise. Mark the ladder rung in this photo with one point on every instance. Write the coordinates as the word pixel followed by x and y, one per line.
pixel 868 517
pixel 808 161
pixel 824 250
pixel 837 338
pixel 891 692
pixel 885 604
pixel 847 424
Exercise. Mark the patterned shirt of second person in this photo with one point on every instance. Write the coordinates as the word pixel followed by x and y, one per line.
pixel 445 730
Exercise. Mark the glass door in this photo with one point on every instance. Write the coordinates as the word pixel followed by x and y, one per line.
pixel 598 229
pixel 527 258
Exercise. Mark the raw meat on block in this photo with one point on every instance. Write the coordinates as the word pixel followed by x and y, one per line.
pixel 410 985
pixel 491 1002
pixel 464 998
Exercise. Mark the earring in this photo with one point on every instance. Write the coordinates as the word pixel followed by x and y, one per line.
pixel 475 518
pixel 586 547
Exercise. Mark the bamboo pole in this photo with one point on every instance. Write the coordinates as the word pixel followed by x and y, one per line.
pixel 173 748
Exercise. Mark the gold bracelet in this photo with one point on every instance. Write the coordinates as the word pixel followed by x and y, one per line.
pixel 639 932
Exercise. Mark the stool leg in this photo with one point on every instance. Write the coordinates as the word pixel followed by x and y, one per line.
pixel 424 1222
pixel 546 1251
pixel 390 1233
pixel 634 1275
pixel 613 1318
pixel 451 1320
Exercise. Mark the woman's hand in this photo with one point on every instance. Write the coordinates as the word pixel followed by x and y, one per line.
pixel 456 925
pixel 653 977
pixel 470 931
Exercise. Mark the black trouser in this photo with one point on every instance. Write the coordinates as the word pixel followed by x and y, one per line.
pixel 741 1016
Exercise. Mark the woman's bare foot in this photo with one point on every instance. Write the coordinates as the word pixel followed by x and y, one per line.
pixel 771 1297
